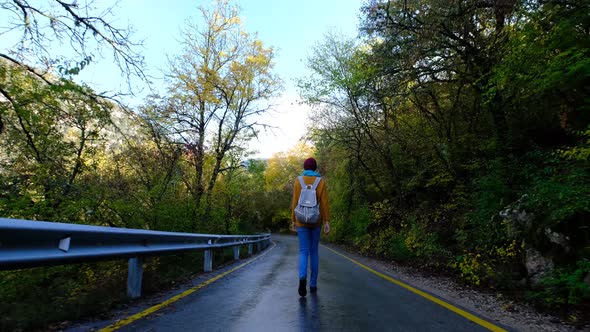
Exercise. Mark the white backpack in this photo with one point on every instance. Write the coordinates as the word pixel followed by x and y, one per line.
pixel 307 210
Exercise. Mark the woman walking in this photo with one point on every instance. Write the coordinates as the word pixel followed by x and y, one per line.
pixel 308 222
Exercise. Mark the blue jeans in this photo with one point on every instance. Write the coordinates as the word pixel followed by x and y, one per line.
pixel 309 240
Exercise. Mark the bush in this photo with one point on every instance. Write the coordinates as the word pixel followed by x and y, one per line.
pixel 74 291
pixel 564 286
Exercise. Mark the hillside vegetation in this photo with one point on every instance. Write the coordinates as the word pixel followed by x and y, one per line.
pixel 455 136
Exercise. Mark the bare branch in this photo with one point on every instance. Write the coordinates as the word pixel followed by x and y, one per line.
pixel 42 24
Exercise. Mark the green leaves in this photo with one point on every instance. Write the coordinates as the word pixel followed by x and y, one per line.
pixel 52 127
pixel 565 286
pixel 79 66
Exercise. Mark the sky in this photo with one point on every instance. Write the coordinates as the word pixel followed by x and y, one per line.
pixel 292 27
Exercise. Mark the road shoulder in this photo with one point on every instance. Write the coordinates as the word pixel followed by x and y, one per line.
pixel 489 305
pixel 135 307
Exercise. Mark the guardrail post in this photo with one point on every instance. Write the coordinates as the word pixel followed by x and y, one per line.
pixel 208 261
pixel 250 249
pixel 258 246
pixel 237 253
pixel 134 277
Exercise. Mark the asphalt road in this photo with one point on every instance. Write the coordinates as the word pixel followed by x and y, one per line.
pixel 262 296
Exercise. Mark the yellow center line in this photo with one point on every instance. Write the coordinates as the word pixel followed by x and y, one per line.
pixel 126 321
pixel 436 300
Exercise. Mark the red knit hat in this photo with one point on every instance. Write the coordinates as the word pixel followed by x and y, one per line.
pixel 310 164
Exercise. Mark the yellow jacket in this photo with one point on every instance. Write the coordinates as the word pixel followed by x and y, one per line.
pixel 322 195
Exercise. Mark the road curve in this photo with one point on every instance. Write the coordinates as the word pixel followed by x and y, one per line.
pixel 262 296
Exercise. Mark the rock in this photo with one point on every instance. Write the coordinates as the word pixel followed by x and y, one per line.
pixel 519 219
pixel 557 238
pixel 537 266
pixel 516 215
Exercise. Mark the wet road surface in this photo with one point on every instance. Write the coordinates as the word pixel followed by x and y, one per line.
pixel 262 296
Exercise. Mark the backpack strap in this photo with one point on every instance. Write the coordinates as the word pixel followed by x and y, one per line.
pixel 303 185
pixel 313 187
pixel 316 183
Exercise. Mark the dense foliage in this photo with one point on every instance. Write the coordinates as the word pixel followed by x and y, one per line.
pixel 455 136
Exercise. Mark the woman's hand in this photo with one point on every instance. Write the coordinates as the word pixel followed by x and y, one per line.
pixel 293 227
pixel 326 227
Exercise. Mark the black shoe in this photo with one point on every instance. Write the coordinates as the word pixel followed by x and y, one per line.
pixel 302 289
pixel 313 290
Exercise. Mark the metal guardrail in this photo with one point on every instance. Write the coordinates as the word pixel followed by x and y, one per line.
pixel 26 243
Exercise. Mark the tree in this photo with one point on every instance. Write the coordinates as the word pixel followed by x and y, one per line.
pixel 84 27
pixel 51 133
pixel 283 167
pixel 218 91
pixel 44 26
pixel 427 43
pixel 352 109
